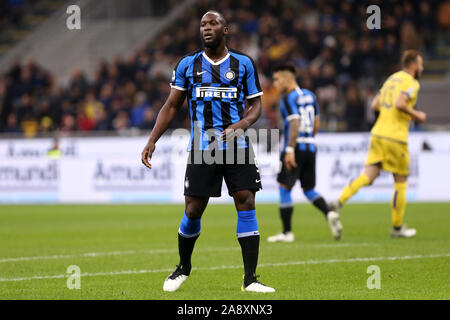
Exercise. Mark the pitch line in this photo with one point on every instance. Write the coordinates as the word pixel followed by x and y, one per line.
pixel 156 251
pixel 279 264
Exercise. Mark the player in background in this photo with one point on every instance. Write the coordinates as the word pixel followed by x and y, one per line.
pixel 388 148
pixel 224 95
pixel 300 113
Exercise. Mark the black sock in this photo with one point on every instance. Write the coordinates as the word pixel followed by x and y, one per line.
pixel 320 204
pixel 286 218
pixel 397 228
pixel 185 248
pixel 250 250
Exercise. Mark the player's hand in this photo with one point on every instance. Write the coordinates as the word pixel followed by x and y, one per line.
pixel 232 132
pixel 421 116
pixel 147 154
pixel 289 161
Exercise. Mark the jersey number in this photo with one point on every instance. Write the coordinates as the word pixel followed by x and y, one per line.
pixel 307 119
pixel 387 97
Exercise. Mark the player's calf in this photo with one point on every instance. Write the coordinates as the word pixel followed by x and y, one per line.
pixel 317 200
pixel 286 210
pixel 188 234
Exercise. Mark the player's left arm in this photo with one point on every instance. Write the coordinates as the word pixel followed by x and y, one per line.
pixel 402 104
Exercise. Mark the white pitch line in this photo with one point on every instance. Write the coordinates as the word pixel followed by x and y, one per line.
pixel 279 264
pixel 156 251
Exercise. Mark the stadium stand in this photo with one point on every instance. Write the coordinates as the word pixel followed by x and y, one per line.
pixel 19 17
pixel 330 44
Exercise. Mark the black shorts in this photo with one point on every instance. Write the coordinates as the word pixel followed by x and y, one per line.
pixel 305 171
pixel 205 179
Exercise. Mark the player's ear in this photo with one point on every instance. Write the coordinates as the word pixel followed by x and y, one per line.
pixel 225 30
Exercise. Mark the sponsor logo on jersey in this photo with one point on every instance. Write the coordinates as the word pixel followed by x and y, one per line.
pixel 216 92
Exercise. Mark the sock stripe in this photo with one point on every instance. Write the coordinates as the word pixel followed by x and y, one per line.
pixel 248 234
pixel 394 203
pixel 187 235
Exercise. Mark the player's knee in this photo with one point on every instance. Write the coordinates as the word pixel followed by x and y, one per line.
pixel 195 207
pixel 400 178
pixel 244 200
pixel 372 172
pixel 194 210
pixel 193 214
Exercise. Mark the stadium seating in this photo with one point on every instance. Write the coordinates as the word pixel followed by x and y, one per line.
pixel 334 51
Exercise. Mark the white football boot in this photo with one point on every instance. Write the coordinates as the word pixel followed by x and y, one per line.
pixel 403 232
pixel 257 287
pixel 335 224
pixel 175 280
pixel 282 237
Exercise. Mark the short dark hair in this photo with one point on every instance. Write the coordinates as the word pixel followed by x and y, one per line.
pixel 221 17
pixel 408 57
pixel 286 67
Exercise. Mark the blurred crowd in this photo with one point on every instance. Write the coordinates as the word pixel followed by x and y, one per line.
pixel 11 12
pixel 337 56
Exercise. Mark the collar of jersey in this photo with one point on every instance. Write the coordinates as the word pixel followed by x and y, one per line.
pixel 218 62
pixel 298 90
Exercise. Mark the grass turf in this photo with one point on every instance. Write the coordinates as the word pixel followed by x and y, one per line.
pixel 138 244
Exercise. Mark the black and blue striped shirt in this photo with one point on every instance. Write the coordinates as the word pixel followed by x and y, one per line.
pixel 300 104
pixel 216 93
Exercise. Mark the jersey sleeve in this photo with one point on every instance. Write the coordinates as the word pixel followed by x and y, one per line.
pixel 290 104
pixel 252 88
pixel 411 89
pixel 179 80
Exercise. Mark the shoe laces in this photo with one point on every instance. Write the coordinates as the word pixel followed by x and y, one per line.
pixel 255 280
pixel 178 272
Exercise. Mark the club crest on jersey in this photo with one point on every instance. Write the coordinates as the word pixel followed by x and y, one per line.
pixel 216 92
pixel 230 75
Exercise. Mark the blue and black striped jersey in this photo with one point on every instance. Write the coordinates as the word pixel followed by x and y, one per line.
pixel 216 93
pixel 300 104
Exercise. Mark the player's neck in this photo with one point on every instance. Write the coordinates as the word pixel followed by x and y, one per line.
pixel 217 53
pixel 409 71
pixel 291 87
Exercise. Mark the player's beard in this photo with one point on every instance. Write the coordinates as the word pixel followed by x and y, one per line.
pixel 213 44
pixel 417 75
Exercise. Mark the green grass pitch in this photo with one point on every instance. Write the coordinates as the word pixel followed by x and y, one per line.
pixel 126 252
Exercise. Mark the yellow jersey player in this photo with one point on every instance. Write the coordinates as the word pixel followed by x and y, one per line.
pixel 388 148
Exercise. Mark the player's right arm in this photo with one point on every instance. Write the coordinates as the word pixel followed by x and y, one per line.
pixel 402 104
pixel 289 157
pixel 294 129
pixel 376 103
pixel 163 121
